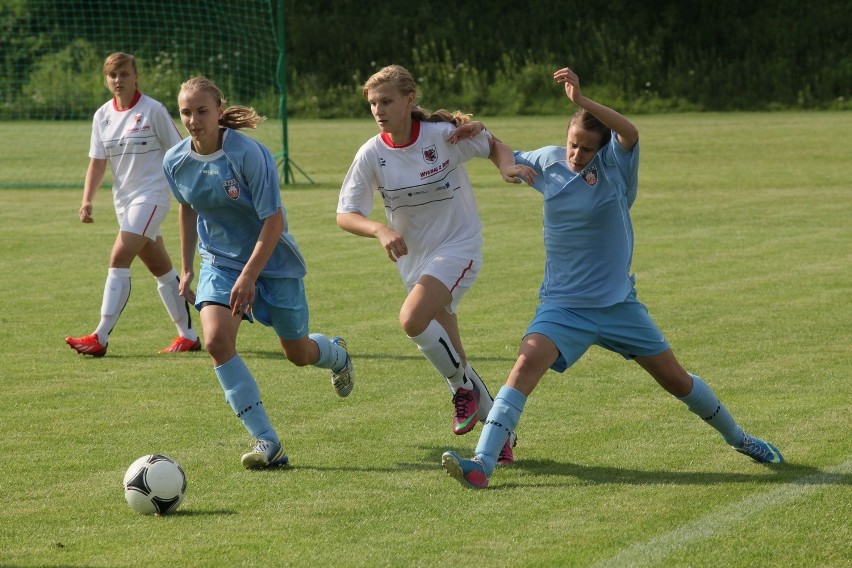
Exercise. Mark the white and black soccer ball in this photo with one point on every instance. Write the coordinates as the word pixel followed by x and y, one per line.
pixel 154 484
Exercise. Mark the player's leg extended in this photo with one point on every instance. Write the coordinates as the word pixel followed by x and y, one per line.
pixel 537 353
pixel 700 399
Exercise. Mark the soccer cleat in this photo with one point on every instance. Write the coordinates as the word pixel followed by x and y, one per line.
pixel 265 453
pixel 507 456
pixel 181 345
pixel 469 473
pixel 466 403
pixel 343 381
pixel 759 451
pixel 87 345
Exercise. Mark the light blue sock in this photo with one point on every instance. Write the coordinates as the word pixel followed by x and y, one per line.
pixel 331 355
pixel 501 421
pixel 242 394
pixel 704 403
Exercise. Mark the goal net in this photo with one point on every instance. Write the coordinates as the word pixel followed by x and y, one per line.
pixel 51 81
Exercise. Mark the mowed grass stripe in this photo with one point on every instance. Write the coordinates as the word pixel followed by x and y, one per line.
pixel 728 518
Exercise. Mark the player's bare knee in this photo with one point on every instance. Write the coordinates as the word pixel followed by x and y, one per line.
pixel 412 325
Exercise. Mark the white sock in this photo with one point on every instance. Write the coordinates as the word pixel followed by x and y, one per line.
pixel 168 285
pixel 485 400
pixel 116 293
pixel 436 346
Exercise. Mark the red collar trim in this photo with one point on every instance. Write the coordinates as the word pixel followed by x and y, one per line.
pixel 415 133
pixel 135 100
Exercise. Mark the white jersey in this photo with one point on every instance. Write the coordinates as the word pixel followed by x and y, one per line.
pixel 426 192
pixel 135 140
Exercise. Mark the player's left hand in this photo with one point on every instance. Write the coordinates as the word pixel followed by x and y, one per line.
pixel 242 295
pixel 518 173
pixel 466 131
pixel 572 84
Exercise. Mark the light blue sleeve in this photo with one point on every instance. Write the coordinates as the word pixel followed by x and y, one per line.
pixel 627 162
pixel 538 160
pixel 261 176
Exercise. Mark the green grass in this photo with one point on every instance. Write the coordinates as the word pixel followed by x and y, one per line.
pixel 743 255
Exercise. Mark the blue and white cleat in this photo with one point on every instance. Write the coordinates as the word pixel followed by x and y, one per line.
pixel 265 453
pixel 759 451
pixel 469 473
pixel 343 380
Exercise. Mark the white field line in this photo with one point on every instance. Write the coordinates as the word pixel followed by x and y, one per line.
pixel 657 549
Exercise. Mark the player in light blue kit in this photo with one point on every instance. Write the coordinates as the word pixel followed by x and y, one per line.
pixel 251 268
pixel 588 296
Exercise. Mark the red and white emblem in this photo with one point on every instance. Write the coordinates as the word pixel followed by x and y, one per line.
pixel 590 176
pixel 232 188
pixel 430 154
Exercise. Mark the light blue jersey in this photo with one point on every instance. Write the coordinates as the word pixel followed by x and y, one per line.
pixel 588 235
pixel 233 190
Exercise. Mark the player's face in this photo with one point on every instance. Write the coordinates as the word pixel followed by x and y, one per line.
pixel 122 81
pixel 582 146
pixel 200 113
pixel 391 109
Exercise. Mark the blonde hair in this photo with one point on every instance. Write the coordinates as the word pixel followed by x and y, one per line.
pixel 234 117
pixel 400 78
pixel 116 60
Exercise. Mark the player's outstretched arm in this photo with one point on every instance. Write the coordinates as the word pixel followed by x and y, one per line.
pixel 627 133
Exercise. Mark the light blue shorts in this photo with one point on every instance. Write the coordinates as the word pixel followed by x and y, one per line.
pixel 625 328
pixel 278 302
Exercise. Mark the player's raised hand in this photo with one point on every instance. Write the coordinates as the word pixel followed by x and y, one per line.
pixel 572 84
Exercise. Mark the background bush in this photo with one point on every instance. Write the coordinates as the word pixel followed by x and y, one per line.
pixel 645 56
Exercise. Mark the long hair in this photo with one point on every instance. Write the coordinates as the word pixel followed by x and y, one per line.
pixel 234 117
pixel 585 120
pixel 401 79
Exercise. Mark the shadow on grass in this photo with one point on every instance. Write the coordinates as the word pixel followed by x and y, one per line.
pixel 202 512
pixel 273 354
pixel 610 475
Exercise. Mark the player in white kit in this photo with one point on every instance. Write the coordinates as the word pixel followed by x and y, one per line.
pixel 132 132
pixel 433 233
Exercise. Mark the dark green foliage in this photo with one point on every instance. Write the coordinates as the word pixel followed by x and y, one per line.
pixel 651 55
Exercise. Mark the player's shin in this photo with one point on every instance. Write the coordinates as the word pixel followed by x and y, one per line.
pixel 501 421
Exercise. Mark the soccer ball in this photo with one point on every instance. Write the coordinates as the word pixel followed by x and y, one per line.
pixel 154 484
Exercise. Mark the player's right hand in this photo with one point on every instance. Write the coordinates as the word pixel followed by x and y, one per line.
pixel 86 213
pixel 393 243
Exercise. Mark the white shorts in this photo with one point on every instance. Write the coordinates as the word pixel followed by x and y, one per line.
pixel 457 274
pixel 143 219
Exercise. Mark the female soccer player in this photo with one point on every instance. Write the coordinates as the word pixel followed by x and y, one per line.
pixel 588 295
pixel 251 268
pixel 433 232
pixel 133 132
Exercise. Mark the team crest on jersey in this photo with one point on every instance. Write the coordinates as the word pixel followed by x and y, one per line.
pixel 231 188
pixel 590 176
pixel 430 154
pixel 137 118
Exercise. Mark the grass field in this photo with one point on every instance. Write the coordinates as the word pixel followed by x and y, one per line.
pixel 743 257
